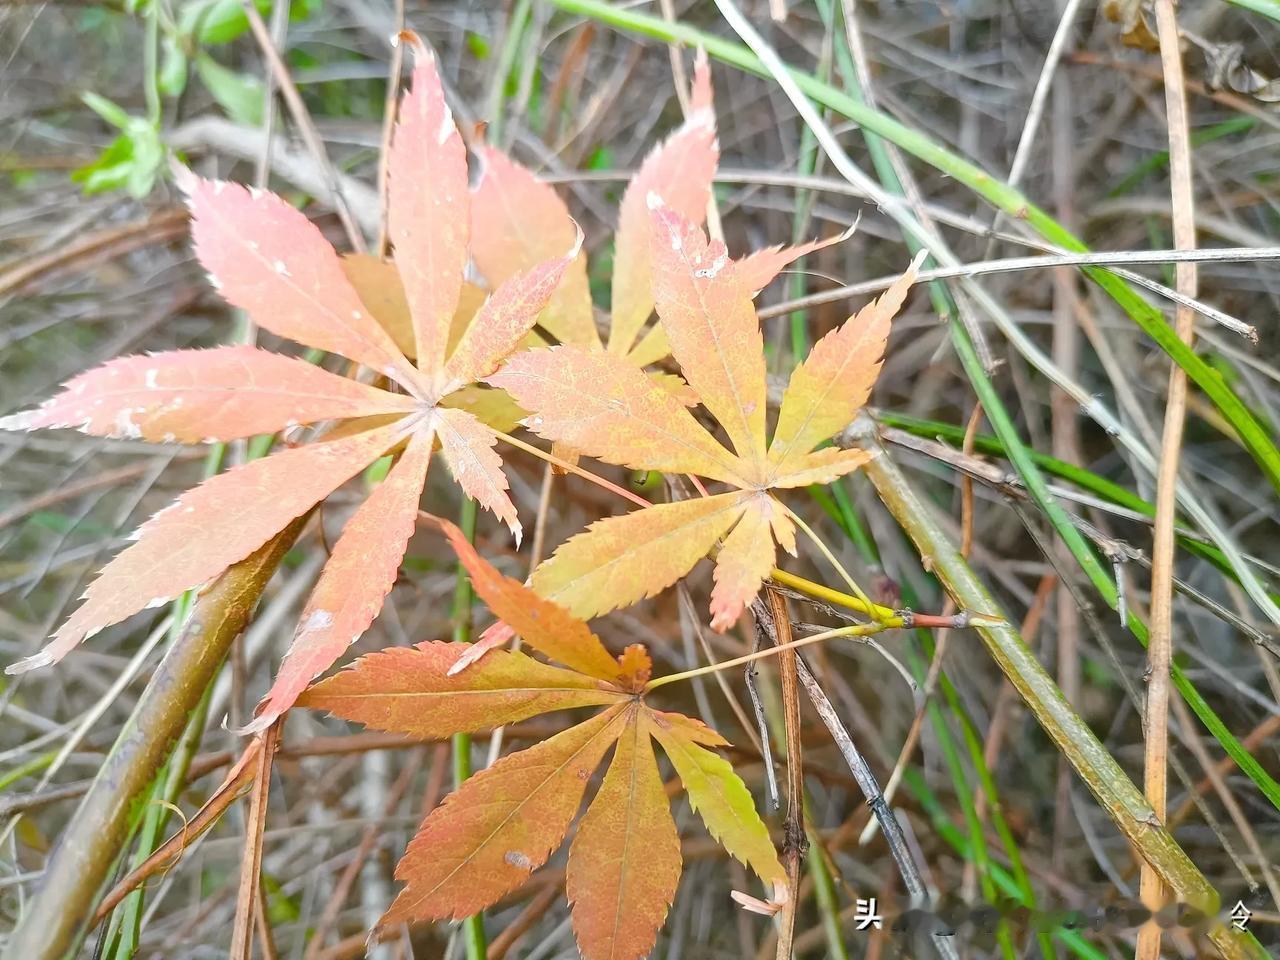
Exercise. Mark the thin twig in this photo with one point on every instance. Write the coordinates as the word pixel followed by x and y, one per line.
pixel 1113 259
pixel 1160 648
pixel 1022 155
pixel 751 676
pixel 251 860
pixel 389 110
pixel 279 26
pixel 302 117
pixel 894 837
pixel 773 616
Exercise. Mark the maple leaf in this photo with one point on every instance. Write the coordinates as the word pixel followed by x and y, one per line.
pixel 518 219
pixel 267 259
pixel 607 409
pixel 486 838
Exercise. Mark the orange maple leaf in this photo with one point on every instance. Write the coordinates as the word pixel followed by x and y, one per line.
pixel 267 259
pixel 486 838
pixel 517 219
pixel 607 409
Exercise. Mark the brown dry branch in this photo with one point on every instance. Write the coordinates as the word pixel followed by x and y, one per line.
pixel 162 226
pixel 1160 648
pixel 795 843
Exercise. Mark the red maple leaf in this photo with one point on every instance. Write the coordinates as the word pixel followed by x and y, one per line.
pixel 267 259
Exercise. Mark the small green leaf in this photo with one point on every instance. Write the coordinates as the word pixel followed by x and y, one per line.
pixel 172 79
pixel 238 94
pixel 213 22
pixel 108 111
pixel 132 161
pixel 377 471
pixel 110 171
pixel 148 158
pixel 281 908
pixel 601 158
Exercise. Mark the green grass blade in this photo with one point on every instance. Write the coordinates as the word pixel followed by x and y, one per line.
pixel 1267 8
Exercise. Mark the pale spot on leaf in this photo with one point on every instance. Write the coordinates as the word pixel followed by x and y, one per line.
pixel 318 620
pixel 447 126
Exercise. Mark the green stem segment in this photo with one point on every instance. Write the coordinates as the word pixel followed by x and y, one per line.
pixel 473 926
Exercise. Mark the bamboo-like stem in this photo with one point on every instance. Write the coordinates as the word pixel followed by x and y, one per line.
pixel 94 837
pixel 1104 777
pixel 236 782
